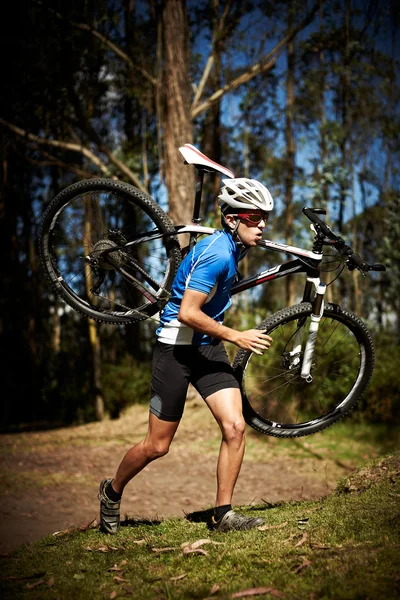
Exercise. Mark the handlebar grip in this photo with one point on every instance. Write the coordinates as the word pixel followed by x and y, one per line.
pixel 310 214
pixel 358 262
pixel 377 267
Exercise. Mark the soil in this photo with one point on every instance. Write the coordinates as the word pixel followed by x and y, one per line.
pixel 50 478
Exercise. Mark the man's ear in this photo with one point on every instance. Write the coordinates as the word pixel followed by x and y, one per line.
pixel 230 221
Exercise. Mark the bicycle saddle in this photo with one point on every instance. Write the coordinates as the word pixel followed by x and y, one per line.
pixel 194 157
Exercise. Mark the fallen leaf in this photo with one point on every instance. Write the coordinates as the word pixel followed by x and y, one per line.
pixel 256 592
pixel 123 562
pixel 30 586
pixel 289 539
pixel 303 540
pixel 34 576
pixel 189 550
pixel 320 546
pixel 192 547
pixel 265 527
pixel 113 595
pixel 115 568
pixel 139 542
pixel 178 577
pixel 199 543
pixel 50 582
pixel 167 549
pixel 102 549
pixel 79 576
pixel 214 589
pixel 304 564
pixel 61 532
pixel 92 525
pixel 119 579
pixel 88 548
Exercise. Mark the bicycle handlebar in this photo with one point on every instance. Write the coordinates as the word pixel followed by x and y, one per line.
pixel 353 260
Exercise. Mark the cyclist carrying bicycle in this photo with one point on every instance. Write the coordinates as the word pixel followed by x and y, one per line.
pixel 190 349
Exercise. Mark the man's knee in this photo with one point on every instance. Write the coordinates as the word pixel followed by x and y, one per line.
pixel 234 429
pixel 156 449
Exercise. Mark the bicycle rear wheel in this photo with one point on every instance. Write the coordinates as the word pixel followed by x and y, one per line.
pixel 277 401
pixel 78 232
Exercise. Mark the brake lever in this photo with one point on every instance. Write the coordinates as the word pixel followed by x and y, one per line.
pixel 377 267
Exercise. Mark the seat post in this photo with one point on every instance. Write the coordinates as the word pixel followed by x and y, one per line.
pixel 196 209
pixel 197 199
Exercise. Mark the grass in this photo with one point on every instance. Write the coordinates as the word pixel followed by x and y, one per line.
pixel 346 546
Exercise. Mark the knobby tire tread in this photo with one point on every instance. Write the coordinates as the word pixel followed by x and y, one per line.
pixel 110 185
pixel 300 310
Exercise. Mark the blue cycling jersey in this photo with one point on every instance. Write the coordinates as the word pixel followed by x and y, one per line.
pixel 210 267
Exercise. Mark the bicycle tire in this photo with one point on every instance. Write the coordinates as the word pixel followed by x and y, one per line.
pixel 91 217
pixel 283 408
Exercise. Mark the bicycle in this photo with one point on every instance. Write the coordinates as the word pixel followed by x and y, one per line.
pixel 112 253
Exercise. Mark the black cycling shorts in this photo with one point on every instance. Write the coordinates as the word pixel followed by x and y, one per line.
pixel 206 367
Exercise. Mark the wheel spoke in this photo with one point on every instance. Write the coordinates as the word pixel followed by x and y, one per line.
pixel 281 398
pixel 91 219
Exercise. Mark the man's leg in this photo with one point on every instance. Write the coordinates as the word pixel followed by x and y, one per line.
pixel 156 444
pixel 226 406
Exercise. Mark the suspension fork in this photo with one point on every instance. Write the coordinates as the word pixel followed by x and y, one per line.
pixel 319 288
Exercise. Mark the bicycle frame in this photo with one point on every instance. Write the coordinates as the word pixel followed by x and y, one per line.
pixel 307 262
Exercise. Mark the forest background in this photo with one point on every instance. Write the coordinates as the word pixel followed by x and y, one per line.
pixel 302 96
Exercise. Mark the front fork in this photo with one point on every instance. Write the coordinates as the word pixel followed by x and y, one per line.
pixel 313 284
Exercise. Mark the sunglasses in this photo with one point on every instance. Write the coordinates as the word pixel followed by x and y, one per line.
pixel 253 218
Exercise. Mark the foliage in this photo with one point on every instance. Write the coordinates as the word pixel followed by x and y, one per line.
pixel 125 383
pixel 382 402
pixel 319 549
pixel 390 253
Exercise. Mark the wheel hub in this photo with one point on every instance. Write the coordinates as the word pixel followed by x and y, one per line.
pixel 97 258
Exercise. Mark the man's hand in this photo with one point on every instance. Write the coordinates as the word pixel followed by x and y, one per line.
pixel 190 314
pixel 254 340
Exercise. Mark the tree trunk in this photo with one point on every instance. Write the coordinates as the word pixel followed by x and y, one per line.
pixel 212 125
pixel 95 345
pixel 322 142
pixel 290 152
pixel 93 333
pixel 180 179
pixel 345 116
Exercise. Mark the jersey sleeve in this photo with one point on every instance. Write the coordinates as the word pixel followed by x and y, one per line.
pixel 207 272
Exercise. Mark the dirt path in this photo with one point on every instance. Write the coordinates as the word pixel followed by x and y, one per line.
pixel 50 479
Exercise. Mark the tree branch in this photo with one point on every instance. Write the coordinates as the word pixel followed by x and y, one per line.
pixel 203 80
pixel 53 161
pixel 260 67
pixel 59 144
pixel 211 60
pixel 118 51
pixel 97 139
pixel 82 150
pixel 238 81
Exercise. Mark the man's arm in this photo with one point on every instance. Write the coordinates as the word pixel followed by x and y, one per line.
pixel 190 314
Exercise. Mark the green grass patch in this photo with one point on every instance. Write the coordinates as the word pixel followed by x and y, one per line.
pixel 346 546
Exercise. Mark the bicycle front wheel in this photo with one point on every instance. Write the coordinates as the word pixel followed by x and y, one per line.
pixel 277 401
pixel 79 231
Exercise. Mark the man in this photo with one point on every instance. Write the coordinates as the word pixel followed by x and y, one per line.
pixel 190 350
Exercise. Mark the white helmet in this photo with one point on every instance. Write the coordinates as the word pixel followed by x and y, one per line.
pixel 244 193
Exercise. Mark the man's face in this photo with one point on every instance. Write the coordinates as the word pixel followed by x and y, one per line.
pixel 251 225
